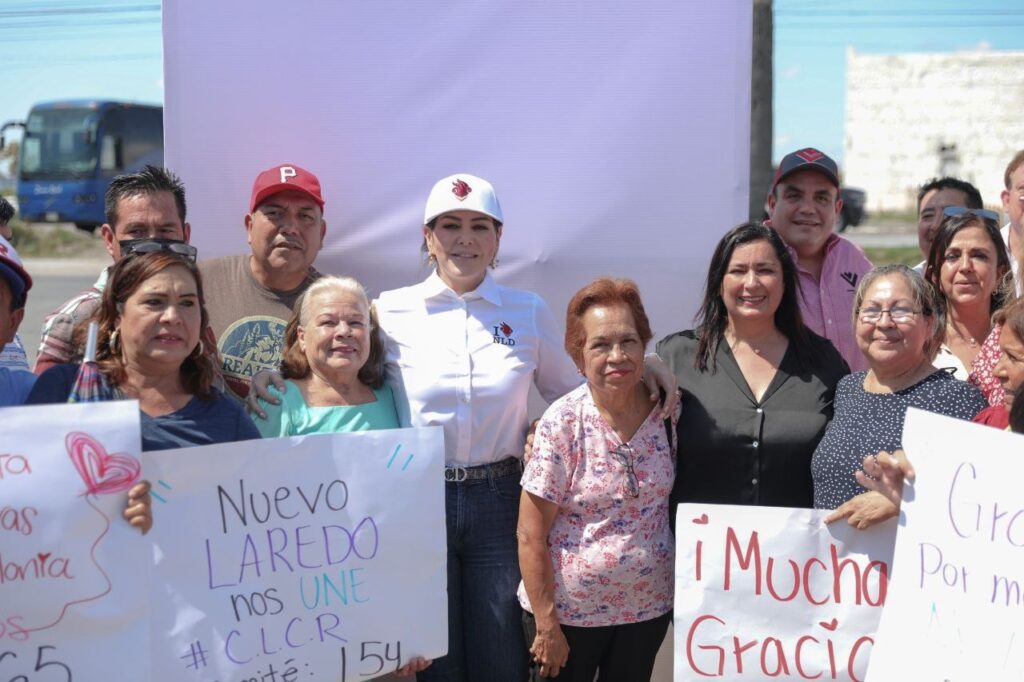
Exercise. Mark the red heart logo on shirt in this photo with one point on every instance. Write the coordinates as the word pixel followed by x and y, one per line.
pixel 701 520
pixel 829 625
pixel 103 473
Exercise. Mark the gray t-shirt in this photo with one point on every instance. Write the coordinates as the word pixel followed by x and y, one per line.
pixel 247 318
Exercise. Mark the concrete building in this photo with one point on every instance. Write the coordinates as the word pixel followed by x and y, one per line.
pixel 911 117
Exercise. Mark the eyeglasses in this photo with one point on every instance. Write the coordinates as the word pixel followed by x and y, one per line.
pixel 898 314
pixel 624 454
pixel 953 211
pixel 137 247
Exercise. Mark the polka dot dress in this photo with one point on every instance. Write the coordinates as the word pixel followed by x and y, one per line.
pixel 864 423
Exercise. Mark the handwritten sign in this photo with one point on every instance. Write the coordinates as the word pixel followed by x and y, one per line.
pixel 72 572
pixel 958 582
pixel 317 557
pixel 773 593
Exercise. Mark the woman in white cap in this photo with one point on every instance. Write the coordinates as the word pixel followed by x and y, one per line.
pixel 462 352
pixel 466 351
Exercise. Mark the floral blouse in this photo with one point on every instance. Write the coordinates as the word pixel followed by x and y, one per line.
pixel 983 365
pixel 612 552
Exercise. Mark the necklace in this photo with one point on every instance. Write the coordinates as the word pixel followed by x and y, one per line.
pixel 966 339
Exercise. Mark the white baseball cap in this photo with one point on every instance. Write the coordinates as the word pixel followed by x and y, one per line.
pixel 462 192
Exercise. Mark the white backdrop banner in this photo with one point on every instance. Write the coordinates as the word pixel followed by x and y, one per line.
pixel 316 557
pixel 72 571
pixel 616 133
pixel 957 584
pixel 770 593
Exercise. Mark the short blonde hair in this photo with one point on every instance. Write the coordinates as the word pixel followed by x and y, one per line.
pixel 294 364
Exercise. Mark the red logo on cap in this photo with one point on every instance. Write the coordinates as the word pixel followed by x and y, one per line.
pixel 809 155
pixel 461 190
pixel 3 249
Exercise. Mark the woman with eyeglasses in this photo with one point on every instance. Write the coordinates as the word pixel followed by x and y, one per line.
pixel 595 548
pixel 899 325
pixel 968 265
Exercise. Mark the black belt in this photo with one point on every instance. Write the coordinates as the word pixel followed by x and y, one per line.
pixel 505 467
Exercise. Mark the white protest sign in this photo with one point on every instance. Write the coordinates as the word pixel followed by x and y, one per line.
pixel 959 559
pixel 72 571
pixel 773 593
pixel 316 557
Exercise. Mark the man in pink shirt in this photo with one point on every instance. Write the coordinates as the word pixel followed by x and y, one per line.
pixel 802 205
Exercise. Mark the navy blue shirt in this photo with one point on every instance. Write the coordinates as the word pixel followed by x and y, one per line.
pixel 200 422
pixel 866 423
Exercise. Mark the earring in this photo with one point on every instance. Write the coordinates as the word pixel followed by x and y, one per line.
pixel 494 263
pixel 112 341
pixel 431 260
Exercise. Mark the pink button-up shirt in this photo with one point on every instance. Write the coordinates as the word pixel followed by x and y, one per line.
pixel 827 303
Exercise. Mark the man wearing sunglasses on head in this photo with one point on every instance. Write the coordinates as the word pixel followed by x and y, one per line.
pixel 933 197
pixel 148 205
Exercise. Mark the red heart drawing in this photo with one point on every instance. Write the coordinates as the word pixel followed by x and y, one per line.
pixel 829 625
pixel 103 473
pixel 702 520
pixel 43 556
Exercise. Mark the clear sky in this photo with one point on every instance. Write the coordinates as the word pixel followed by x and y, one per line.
pixel 811 38
pixel 58 49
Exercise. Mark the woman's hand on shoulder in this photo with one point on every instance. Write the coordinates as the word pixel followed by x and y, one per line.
pixel 550 649
pixel 659 377
pixel 259 390
pixel 139 510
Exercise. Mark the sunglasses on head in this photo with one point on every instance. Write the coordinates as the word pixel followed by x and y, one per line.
pixel 135 247
pixel 953 211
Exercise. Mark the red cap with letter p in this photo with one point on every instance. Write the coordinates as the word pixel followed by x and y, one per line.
pixel 284 177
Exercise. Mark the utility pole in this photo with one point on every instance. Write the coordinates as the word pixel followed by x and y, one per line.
pixel 761 107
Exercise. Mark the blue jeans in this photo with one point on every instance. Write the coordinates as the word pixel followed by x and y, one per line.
pixel 485 634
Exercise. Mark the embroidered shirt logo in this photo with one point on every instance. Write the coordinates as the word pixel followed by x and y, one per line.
pixel 809 155
pixel 503 334
pixel 850 278
pixel 461 190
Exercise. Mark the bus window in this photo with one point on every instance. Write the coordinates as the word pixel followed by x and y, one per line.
pixel 59 143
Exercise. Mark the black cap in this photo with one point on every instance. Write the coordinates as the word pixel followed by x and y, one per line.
pixel 807 159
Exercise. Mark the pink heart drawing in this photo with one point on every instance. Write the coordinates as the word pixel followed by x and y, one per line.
pixel 103 473
pixel 701 520
pixel 829 625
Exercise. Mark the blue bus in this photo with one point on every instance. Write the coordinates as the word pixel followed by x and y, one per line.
pixel 70 150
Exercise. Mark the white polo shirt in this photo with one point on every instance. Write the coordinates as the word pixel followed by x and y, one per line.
pixel 466 363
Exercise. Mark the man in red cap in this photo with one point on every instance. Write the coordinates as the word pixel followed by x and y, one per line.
pixel 253 294
pixel 15 282
pixel 803 205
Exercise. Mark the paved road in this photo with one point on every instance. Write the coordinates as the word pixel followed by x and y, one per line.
pixel 53 282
